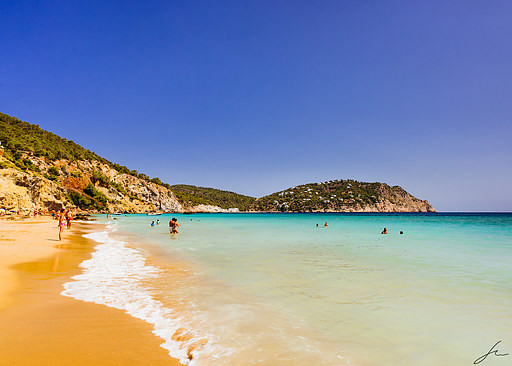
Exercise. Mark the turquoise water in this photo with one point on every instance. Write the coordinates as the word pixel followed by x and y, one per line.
pixel 275 289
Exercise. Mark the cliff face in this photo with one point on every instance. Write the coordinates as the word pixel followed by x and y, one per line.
pixel 391 199
pixel 150 197
pixel 25 192
pixel 396 199
pixel 29 191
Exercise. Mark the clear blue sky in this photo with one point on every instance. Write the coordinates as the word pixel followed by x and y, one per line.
pixel 258 96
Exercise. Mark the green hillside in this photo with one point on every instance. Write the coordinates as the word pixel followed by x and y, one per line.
pixel 18 136
pixel 334 195
pixel 190 196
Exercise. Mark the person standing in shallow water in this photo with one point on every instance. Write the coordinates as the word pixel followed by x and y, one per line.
pixel 173 226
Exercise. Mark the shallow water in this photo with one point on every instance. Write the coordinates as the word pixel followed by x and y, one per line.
pixel 275 289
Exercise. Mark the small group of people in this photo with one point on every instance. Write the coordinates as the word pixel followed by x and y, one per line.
pixel 173 226
pixel 385 231
pixel 65 216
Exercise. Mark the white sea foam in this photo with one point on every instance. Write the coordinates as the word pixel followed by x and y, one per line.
pixel 114 276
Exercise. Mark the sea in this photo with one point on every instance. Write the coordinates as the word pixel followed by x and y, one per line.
pixel 283 289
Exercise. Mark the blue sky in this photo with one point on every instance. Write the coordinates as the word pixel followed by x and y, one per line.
pixel 258 96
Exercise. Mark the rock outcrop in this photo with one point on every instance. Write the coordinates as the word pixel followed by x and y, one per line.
pixel 29 191
pixel 211 208
pixel 24 192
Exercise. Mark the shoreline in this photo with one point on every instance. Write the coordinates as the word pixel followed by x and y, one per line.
pixel 61 330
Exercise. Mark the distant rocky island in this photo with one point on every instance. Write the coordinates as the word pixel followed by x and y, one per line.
pixel 42 171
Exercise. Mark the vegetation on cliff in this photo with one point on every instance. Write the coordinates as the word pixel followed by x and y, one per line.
pixel 18 136
pixel 90 198
pixel 191 196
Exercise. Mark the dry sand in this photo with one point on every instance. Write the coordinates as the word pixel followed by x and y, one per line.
pixel 41 327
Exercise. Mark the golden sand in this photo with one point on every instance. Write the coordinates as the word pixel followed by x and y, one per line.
pixel 41 327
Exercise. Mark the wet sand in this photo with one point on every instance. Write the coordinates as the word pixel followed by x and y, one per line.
pixel 42 327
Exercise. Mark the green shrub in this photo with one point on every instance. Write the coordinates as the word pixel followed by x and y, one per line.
pixel 95 194
pixel 80 201
pixel 99 177
pixel 53 171
pixel 30 165
pixel 53 178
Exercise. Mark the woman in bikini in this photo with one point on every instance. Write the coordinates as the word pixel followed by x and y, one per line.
pixel 62 219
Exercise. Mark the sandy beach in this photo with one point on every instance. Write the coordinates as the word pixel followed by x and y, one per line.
pixel 42 327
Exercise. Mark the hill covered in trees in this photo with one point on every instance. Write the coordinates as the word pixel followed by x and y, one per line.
pixel 18 137
pixel 342 196
pixel 192 196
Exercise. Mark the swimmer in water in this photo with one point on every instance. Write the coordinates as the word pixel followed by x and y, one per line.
pixel 385 231
pixel 325 225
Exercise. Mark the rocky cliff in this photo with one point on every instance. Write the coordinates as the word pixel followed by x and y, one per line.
pixel 25 193
pixel 63 183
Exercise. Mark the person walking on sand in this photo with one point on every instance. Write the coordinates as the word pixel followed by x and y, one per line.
pixel 62 218
pixel 173 226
